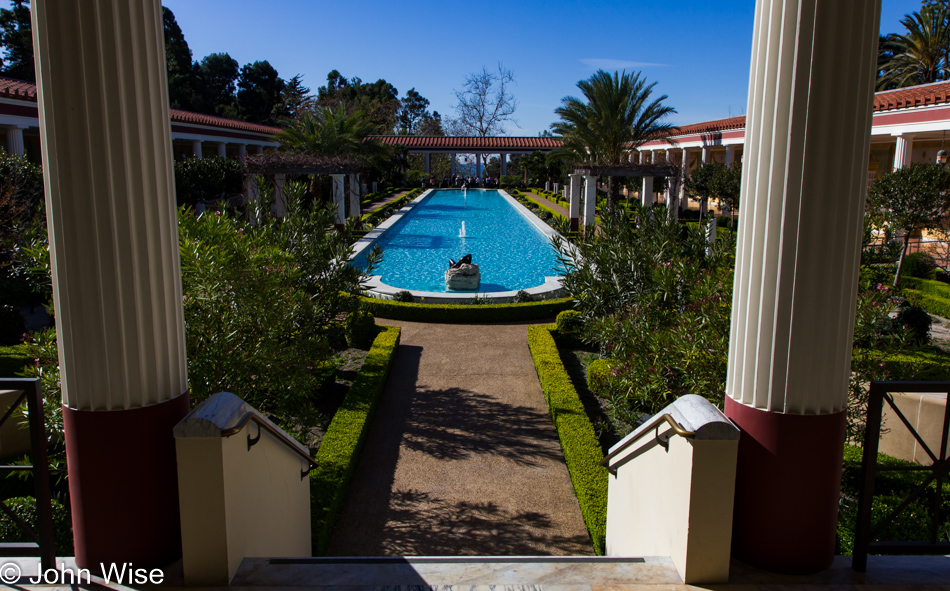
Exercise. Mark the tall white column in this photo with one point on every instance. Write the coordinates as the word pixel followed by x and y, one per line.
pixel 504 164
pixel 355 209
pixel 222 149
pixel 904 151
pixel 684 164
pixel 452 165
pixel 574 211
pixel 590 203
pixel 796 276
pixel 730 154
pixel 242 152
pixel 427 162
pixel 280 199
pixel 478 164
pixel 15 145
pixel 646 193
pixel 109 180
pixel 339 199
pixel 707 154
pixel 196 148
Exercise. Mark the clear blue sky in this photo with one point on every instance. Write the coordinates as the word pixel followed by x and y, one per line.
pixel 696 50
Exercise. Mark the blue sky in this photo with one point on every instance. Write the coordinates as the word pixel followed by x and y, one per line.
pixel 696 50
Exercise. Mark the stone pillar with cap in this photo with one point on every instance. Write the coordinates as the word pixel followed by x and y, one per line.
pixel 904 151
pixel 590 203
pixel 355 208
pixel 575 201
pixel 796 275
pixel 339 200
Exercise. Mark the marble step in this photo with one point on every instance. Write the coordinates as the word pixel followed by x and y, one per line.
pixel 475 573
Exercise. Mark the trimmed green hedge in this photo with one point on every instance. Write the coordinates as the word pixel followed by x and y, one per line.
pixel 927 366
pixel 12 360
pixel 340 450
pixel 582 451
pixel 465 313
pixel 932 296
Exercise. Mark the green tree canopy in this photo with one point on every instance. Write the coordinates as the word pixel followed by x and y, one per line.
pixel 615 116
pixel 259 93
pixel 181 74
pixel 414 117
pixel 217 74
pixel 919 56
pixel 295 99
pixel 909 199
pixel 16 40
pixel 378 100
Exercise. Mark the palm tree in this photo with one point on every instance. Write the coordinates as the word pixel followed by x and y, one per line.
pixel 920 56
pixel 330 132
pixel 616 117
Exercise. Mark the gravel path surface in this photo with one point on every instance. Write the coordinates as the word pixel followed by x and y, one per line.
pixel 462 458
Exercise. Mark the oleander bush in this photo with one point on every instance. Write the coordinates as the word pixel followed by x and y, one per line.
pixel 341 446
pixel 465 313
pixel 582 452
pixel 207 179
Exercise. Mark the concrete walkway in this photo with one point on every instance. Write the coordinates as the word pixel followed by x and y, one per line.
pixel 462 458
pixel 384 201
pixel 547 202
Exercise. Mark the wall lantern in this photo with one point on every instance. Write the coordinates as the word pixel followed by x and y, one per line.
pixel 942 153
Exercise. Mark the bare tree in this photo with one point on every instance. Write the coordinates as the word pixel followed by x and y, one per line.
pixel 485 104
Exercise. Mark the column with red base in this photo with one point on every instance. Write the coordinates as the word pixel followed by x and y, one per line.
pixel 803 191
pixel 107 165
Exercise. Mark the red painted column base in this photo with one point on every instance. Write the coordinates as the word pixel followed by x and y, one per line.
pixel 575 224
pixel 123 484
pixel 788 480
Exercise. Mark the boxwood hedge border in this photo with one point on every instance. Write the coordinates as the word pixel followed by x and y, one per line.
pixel 582 451
pixel 465 313
pixel 340 450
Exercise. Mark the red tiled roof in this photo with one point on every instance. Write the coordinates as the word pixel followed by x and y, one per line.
pixel 443 142
pixel 18 89
pixel 178 116
pixel 710 126
pixel 913 96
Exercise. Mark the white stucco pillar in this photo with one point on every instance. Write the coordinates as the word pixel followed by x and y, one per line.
pixel 590 203
pixel 730 154
pixel 646 192
pixel 196 148
pixel 355 209
pixel 112 220
pixel 504 164
pixel 280 200
pixel 15 145
pixel 222 149
pixel 242 152
pixel 427 162
pixel 339 199
pixel 574 209
pixel 904 151
pixel 452 165
pixel 796 276
pixel 707 154
pixel 478 164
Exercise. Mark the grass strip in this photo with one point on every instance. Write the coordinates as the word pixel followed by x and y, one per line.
pixel 465 313
pixel 340 450
pixel 582 451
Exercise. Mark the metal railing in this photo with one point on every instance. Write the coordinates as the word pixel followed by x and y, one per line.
pixel 42 544
pixel 280 435
pixel 660 439
pixel 865 534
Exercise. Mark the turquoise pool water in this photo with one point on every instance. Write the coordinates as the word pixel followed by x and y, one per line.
pixel 510 251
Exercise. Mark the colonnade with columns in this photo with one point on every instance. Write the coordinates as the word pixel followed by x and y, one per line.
pixel 453 159
pixel 220 148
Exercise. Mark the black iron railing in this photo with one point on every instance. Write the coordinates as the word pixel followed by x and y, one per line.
pixel 866 534
pixel 42 544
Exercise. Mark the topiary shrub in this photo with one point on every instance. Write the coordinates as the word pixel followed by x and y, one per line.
pixel 12 326
pixel 917 321
pixel 600 377
pixel 919 264
pixel 404 296
pixel 523 297
pixel 568 323
pixel 360 329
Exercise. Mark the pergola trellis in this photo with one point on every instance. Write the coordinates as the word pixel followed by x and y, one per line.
pixel 276 166
pixel 589 173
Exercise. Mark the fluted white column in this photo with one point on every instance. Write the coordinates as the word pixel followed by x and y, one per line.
pixel 452 165
pixel 339 199
pixel 904 151
pixel 646 193
pixel 683 202
pixel 707 154
pixel 807 145
pixel 107 168
pixel 355 207
pixel 575 200
pixel 730 154
pixel 196 148
pixel 222 149
pixel 590 202
pixel 242 152
pixel 15 145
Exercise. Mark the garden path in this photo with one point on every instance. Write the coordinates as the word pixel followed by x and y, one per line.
pixel 383 201
pixel 462 458
pixel 547 202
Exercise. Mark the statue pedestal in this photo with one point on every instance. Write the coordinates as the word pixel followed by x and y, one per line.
pixel 463 278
